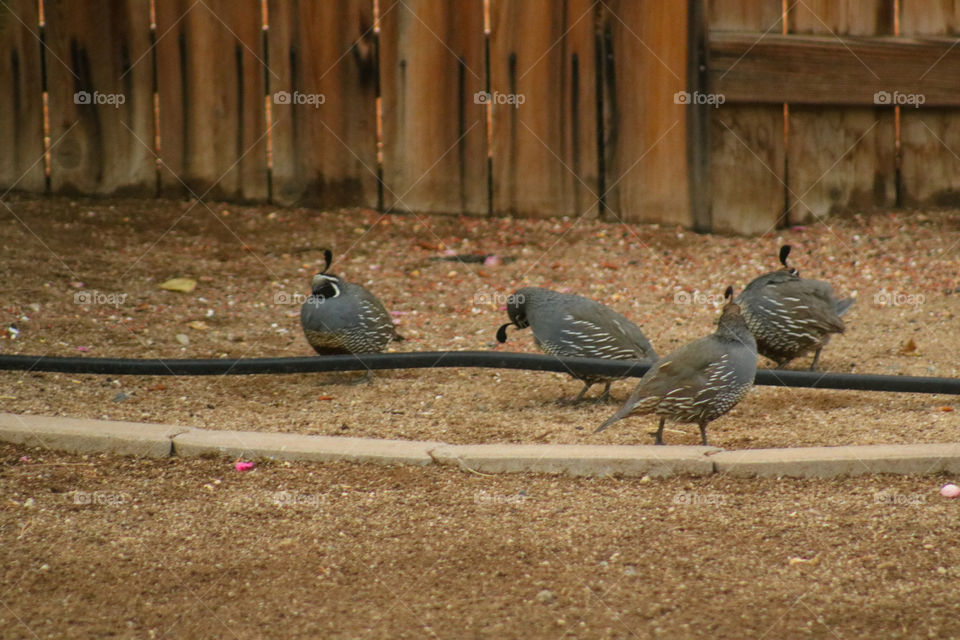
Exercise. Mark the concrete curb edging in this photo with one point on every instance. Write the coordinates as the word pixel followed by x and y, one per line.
pixel 293 446
pixel 80 435
pixel 578 460
pixel 828 462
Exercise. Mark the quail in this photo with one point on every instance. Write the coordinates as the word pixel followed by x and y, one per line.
pixel 340 317
pixel 700 381
pixel 790 315
pixel 573 326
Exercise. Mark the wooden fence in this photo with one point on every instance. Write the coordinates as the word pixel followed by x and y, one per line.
pixel 503 107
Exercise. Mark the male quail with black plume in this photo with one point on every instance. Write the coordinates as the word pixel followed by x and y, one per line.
pixel 790 315
pixel 340 317
pixel 569 325
pixel 700 381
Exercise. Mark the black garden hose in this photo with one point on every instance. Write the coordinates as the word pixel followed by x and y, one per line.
pixel 441 359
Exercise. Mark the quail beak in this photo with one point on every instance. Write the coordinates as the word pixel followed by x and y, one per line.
pixel 502 332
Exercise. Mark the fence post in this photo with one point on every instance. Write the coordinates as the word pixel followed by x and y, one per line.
pixel 21 98
pixel 645 114
pixel 840 158
pixel 930 136
pixel 747 165
pixel 323 103
pixel 210 77
pixel 434 133
pixel 99 67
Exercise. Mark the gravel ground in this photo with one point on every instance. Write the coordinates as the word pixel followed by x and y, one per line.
pixel 81 277
pixel 98 546
pixel 95 547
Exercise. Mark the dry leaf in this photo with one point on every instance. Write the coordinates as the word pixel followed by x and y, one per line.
pixel 184 285
pixel 909 349
pixel 199 325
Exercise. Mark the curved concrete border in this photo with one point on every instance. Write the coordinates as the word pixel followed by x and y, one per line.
pixel 80 435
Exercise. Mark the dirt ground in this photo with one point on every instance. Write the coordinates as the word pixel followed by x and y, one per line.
pixel 81 277
pixel 97 547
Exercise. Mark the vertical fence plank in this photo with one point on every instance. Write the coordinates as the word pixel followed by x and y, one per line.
pixel 645 124
pixel 210 79
pixel 324 153
pixel 930 137
pixel 100 88
pixel 21 98
pixel 434 133
pixel 747 156
pixel 841 158
pixel 543 91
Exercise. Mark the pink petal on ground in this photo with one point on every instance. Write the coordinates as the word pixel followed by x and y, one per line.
pixel 83 349
pixel 243 466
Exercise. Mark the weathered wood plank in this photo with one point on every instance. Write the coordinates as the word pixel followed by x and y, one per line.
pixel 210 77
pixel 100 87
pixel 930 138
pixel 841 158
pixel 544 145
pixel 748 155
pixel 807 69
pixel 21 98
pixel 323 93
pixel 434 132
pixel 736 15
pixel 645 128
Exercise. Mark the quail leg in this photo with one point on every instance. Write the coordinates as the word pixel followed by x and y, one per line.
pixel 703 433
pixel 816 358
pixel 579 397
pixel 605 396
pixel 659 438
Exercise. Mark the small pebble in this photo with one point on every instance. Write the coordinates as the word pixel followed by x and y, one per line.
pixel 546 596
pixel 183 339
pixel 120 397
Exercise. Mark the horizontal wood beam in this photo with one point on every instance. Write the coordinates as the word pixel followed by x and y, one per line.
pixel 799 69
